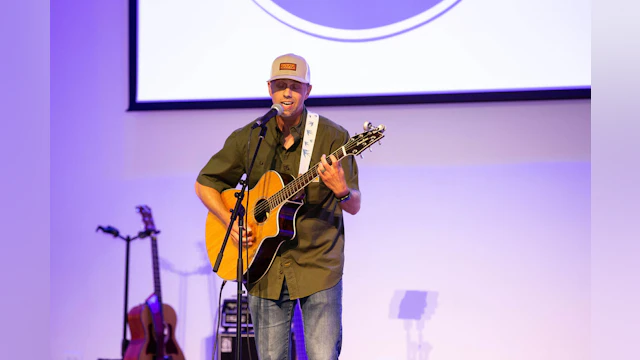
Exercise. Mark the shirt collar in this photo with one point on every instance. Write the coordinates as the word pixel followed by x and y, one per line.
pixel 297 131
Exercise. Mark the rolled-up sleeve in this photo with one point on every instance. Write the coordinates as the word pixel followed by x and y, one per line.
pixel 225 168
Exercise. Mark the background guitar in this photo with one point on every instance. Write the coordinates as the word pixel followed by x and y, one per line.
pixel 152 323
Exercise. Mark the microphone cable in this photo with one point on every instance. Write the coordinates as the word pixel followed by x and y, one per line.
pixel 246 223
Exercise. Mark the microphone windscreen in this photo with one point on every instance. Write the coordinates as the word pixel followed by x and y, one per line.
pixel 278 108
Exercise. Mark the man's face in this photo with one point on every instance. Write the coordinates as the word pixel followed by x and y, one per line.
pixel 290 94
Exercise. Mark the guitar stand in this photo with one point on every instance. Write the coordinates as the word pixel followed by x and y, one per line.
pixel 239 212
pixel 128 239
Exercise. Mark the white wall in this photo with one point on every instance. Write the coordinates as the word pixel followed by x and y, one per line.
pixel 482 209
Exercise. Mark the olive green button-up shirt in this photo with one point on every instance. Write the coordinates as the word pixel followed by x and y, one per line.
pixel 314 259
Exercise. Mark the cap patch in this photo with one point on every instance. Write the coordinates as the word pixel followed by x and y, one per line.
pixel 288 66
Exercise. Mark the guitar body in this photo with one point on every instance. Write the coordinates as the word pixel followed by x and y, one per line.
pixel 144 341
pixel 270 228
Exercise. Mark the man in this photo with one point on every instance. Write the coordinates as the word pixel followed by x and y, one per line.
pixel 308 268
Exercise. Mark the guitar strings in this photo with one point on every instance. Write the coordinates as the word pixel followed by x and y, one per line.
pixel 285 193
pixel 288 191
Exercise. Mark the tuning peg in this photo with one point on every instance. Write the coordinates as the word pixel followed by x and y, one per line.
pixel 361 157
pixel 367 126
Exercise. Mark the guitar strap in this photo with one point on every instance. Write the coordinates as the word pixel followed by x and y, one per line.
pixel 310 130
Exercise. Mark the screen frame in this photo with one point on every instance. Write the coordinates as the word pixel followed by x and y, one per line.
pixel 564 93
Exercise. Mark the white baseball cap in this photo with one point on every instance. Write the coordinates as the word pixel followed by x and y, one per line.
pixel 290 66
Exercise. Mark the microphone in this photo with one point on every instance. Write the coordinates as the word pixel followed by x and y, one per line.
pixel 109 230
pixel 276 109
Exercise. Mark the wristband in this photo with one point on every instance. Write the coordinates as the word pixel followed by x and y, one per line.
pixel 344 198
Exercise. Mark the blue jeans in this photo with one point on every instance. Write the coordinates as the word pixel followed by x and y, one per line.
pixel 322 317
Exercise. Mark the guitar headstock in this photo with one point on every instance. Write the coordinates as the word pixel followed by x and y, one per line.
pixel 147 219
pixel 360 142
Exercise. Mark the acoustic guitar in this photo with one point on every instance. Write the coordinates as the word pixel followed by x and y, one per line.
pixel 152 323
pixel 271 214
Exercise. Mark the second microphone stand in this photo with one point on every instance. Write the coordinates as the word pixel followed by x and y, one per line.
pixel 238 212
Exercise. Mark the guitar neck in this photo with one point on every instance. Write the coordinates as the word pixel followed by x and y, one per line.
pixel 156 269
pixel 302 181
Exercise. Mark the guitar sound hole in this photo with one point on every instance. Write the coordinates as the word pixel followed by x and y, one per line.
pixel 262 210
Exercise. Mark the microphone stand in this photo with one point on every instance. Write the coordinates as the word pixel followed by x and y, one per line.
pixel 128 239
pixel 238 212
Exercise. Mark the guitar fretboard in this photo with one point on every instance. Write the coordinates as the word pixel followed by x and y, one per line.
pixel 301 181
pixel 354 146
pixel 156 269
